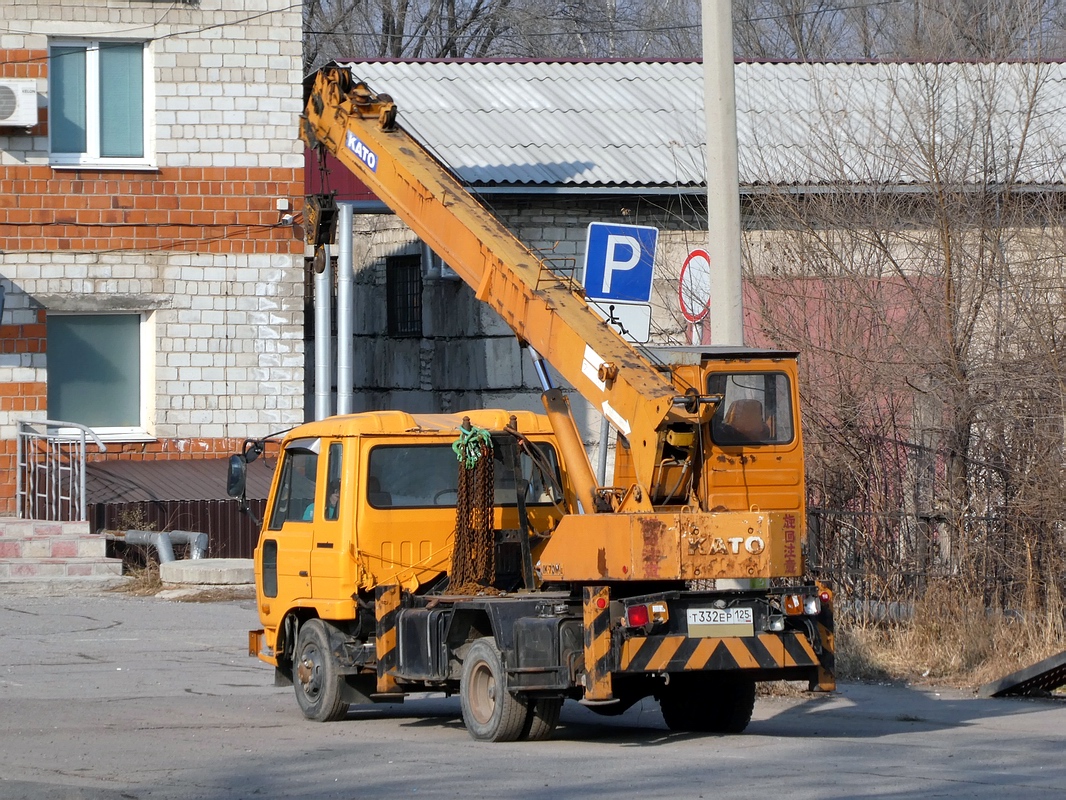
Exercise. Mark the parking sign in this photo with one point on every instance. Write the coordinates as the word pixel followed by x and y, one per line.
pixel 619 260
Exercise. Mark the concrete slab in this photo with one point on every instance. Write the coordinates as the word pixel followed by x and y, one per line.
pixel 208 572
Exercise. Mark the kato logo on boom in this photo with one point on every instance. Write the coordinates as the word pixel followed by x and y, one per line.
pixel 361 151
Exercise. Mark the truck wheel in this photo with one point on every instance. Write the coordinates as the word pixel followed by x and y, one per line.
pixel 715 705
pixel 491 713
pixel 319 684
pixel 543 717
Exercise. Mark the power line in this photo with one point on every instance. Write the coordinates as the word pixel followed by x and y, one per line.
pixel 172 35
pixel 636 30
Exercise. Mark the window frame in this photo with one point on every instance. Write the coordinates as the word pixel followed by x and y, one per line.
pixel 92 156
pixel 146 401
pixel 334 476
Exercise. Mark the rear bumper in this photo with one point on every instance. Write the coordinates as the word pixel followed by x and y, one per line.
pixel 767 651
pixel 802 652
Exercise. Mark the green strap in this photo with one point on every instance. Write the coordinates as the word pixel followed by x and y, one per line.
pixel 472 445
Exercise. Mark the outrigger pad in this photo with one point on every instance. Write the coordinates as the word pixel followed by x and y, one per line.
pixel 1039 679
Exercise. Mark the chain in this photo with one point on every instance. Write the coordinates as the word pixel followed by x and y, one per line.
pixel 474 555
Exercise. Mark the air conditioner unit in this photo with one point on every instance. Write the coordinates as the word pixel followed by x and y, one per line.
pixel 18 102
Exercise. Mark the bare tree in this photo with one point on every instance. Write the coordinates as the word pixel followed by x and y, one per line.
pixel 412 29
pixel 795 30
pixel 920 288
pixel 404 29
pixel 824 30
pixel 981 29
pixel 769 30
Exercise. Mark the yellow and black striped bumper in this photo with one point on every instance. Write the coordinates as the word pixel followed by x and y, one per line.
pixel 768 651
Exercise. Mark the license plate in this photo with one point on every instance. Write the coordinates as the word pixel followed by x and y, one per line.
pixel 703 622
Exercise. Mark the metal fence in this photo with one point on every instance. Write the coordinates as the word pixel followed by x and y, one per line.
pixel 893 558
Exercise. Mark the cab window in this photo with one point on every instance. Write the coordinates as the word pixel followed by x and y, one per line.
pixel 756 408
pixel 540 476
pixel 295 497
pixel 413 476
pixel 333 481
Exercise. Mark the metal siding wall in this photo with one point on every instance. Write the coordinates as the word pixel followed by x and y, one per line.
pixel 230 533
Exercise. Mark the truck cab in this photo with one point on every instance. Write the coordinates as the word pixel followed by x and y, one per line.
pixel 365 500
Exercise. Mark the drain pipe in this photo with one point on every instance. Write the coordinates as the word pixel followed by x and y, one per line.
pixel 323 354
pixel 163 542
pixel 196 541
pixel 345 296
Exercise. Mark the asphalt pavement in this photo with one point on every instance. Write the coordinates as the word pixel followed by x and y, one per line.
pixel 109 697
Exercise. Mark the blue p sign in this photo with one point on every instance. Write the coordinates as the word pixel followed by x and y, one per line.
pixel 619 260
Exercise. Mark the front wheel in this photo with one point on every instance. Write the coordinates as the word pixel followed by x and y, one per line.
pixel 319 684
pixel 490 712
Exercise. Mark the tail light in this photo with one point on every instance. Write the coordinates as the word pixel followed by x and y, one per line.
pixel 798 604
pixel 637 616
pixel 644 615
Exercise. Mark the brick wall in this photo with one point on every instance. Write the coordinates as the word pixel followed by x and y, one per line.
pixel 213 209
pixel 194 240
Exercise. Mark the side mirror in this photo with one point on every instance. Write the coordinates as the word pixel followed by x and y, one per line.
pixel 237 476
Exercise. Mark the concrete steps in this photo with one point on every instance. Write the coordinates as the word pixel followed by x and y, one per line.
pixel 54 557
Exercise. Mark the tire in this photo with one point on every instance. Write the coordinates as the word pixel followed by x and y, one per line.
pixel 319 684
pixel 708 705
pixel 542 717
pixel 490 712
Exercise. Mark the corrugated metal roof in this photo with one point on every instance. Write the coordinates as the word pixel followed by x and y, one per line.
pixel 560 124
pixel 640 124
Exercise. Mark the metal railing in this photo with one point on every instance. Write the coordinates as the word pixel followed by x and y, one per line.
pixel 50 469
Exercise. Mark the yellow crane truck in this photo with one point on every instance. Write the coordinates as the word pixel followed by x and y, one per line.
pixel 477 553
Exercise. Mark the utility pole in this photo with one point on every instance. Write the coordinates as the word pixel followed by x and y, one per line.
pixel 723 178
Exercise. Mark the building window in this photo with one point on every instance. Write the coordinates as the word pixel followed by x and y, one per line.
pixel 96 370
pixel 403 295
pixel 98 103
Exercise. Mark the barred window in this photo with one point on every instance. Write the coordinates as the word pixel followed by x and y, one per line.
pixel 403 291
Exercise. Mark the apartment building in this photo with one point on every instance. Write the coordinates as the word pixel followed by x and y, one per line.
pixel 151 269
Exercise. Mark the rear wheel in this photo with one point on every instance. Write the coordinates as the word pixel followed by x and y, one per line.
pixel 542 717
pixel 708 705
pixel 491 713
pixel 319 684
